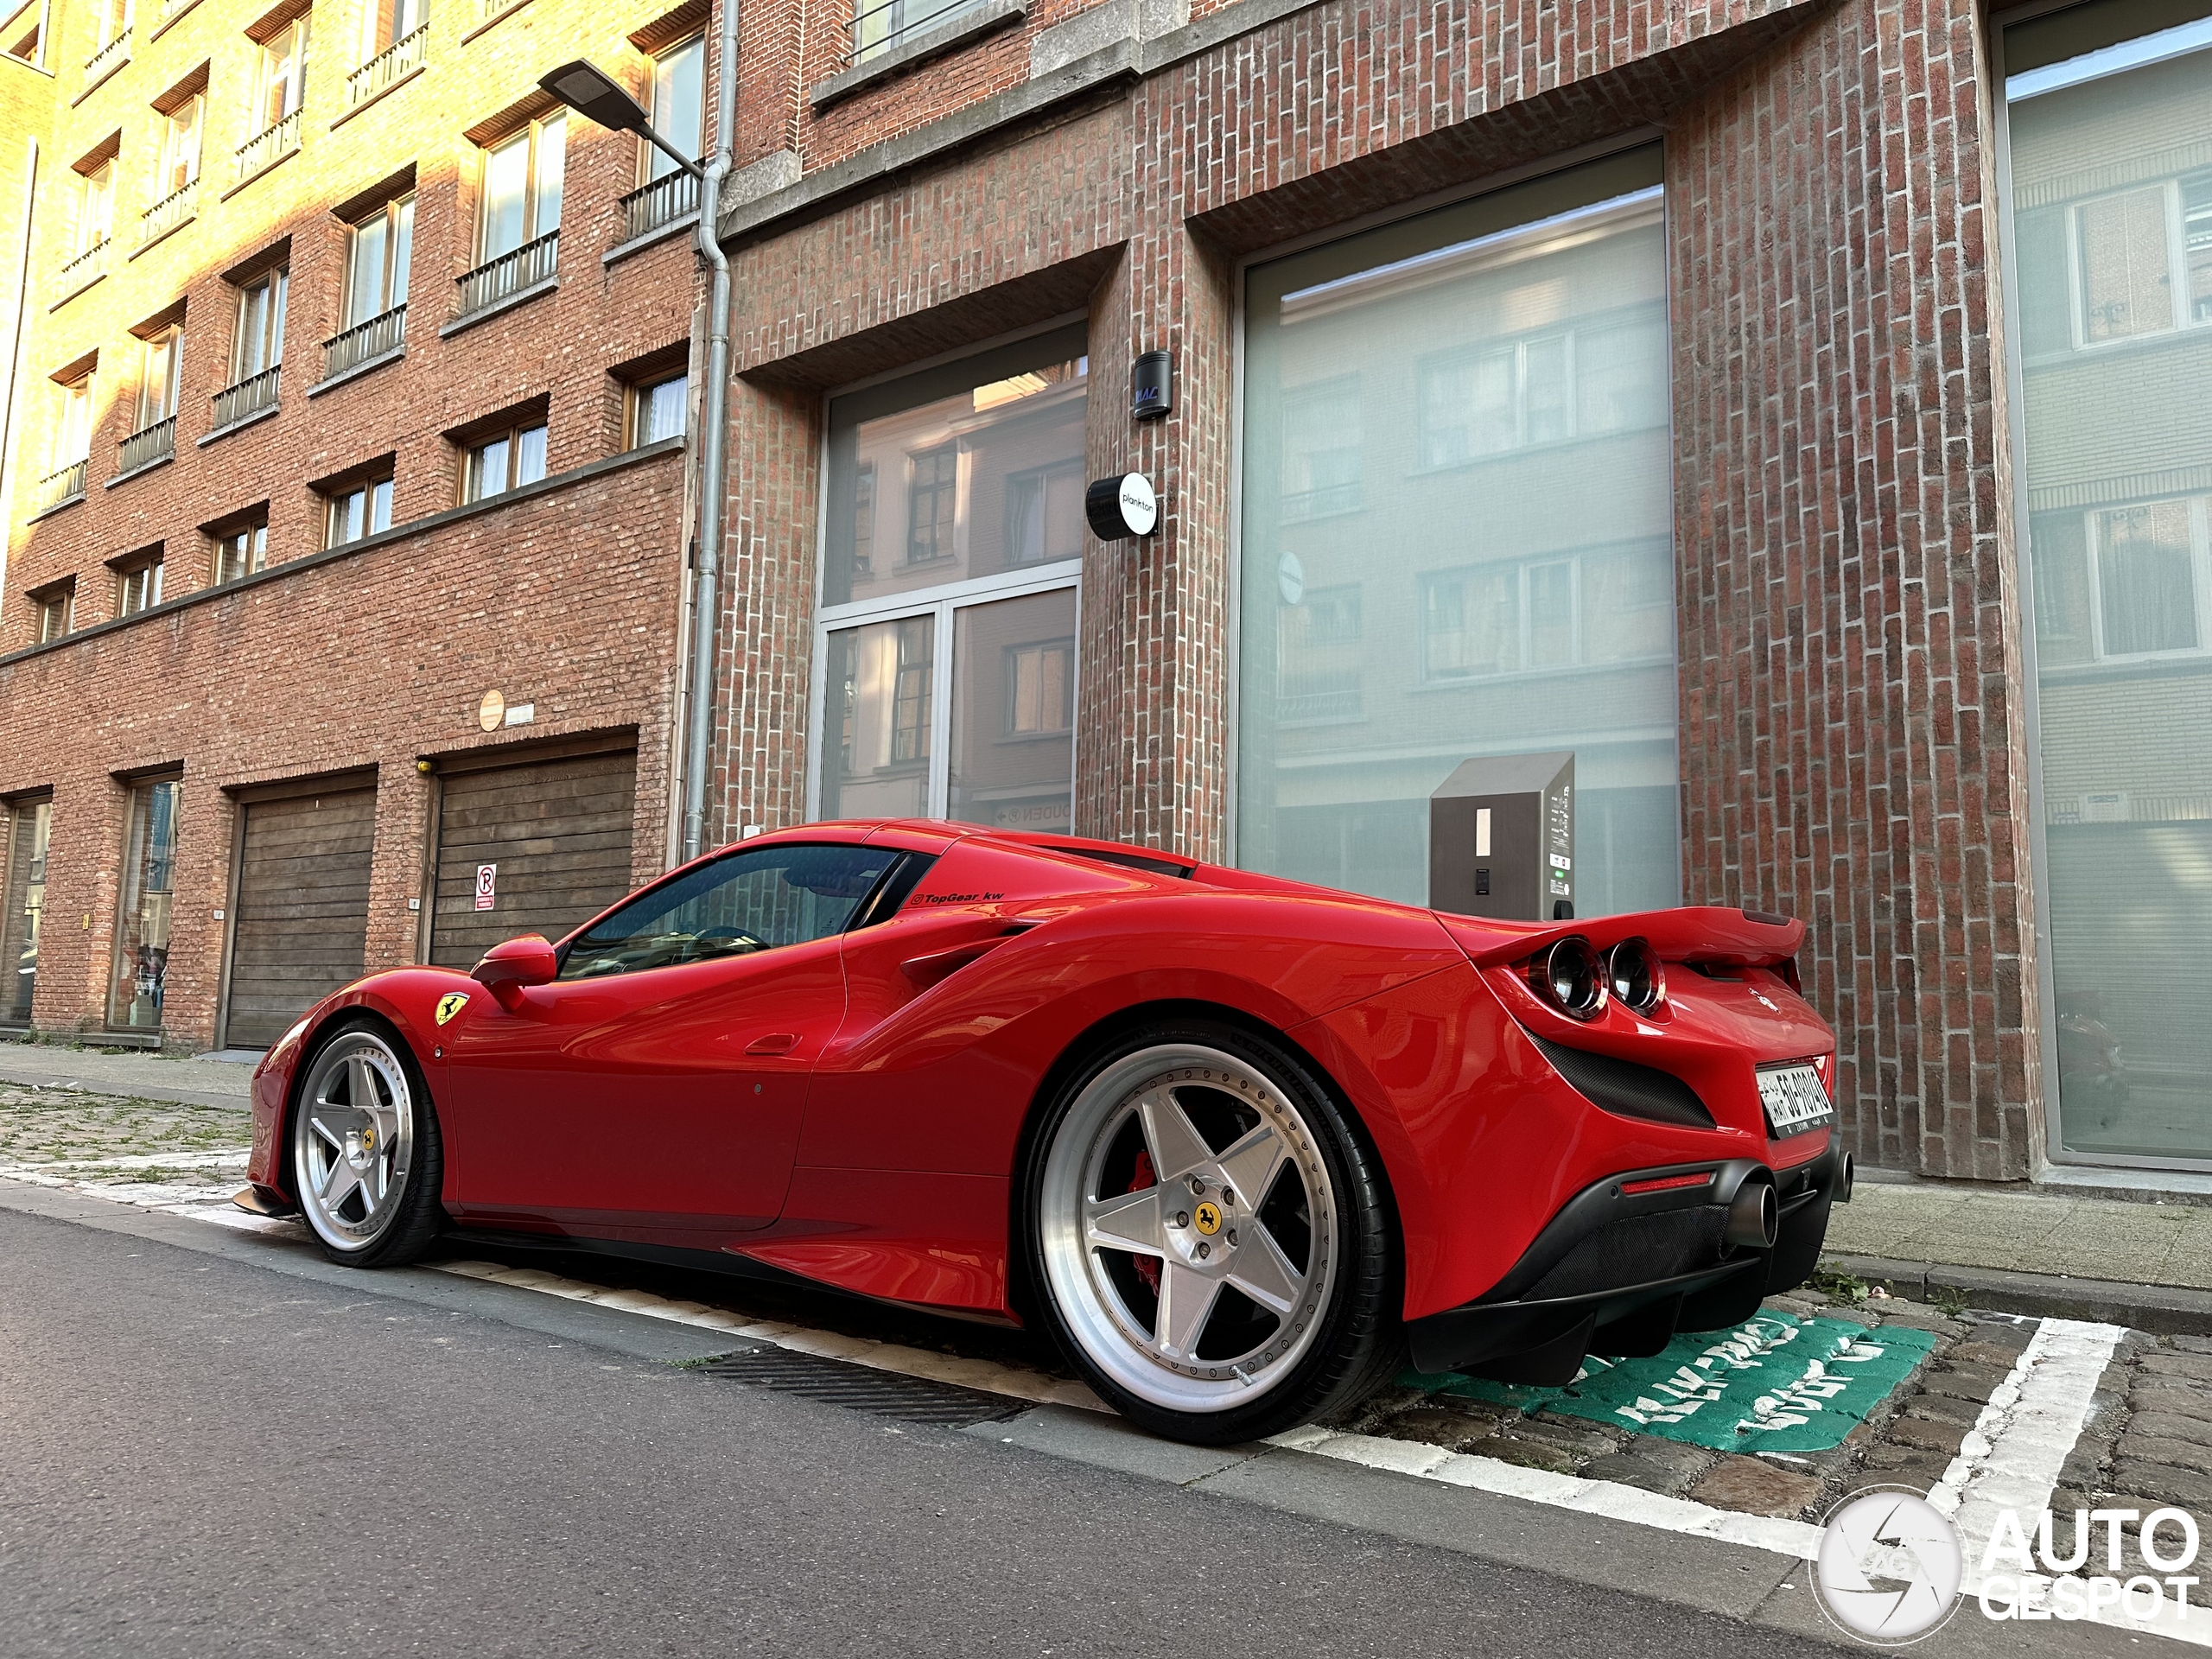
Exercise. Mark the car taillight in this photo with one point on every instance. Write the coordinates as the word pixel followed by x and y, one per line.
pixel 1825 1065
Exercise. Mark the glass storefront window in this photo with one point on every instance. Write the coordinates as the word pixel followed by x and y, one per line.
pixel 1458 534
pixel 142 930
pixel 951 555
pixel 25 901
pixel 2110 134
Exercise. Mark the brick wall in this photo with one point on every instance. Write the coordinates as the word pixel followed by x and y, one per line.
pixel 1853 743
pixel 1851 747
pixel 371 659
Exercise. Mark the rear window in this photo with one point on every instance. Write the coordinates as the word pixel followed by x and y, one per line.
pixel 1129 860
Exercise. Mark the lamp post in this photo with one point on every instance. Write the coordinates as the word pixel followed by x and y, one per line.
pixel 590 90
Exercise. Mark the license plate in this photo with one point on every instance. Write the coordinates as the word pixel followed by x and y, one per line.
pixel 1794 1100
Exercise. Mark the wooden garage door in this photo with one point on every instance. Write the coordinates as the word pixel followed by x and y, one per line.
pixel 558 834
pixel 302 907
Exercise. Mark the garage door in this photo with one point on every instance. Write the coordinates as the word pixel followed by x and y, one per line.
pixel 555 836
pixel 302 906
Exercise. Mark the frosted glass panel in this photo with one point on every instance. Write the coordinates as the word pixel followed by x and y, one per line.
pixel 1458 534
pixel 2111 239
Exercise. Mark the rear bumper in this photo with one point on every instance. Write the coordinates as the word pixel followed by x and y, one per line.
pixel 1617 1272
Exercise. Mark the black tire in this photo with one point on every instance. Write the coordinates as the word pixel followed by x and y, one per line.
pixel 1358 1341
pixel 334 1139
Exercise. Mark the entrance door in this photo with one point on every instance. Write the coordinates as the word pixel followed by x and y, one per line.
pixel 302 906
pixel 25 899
pixel 538 847
pixel 659 1083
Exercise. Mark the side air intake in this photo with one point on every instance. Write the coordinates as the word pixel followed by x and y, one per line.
pixel 1623 1086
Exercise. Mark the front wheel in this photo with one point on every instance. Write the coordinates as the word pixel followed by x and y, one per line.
pixel 366 1159
pixel 1210 1237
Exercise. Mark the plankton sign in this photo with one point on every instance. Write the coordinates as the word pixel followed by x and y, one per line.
pixel 1776 1383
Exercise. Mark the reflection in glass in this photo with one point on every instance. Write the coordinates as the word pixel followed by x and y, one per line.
pixel 1465 546
pixel 142 932
pixel 1013 712
pixel 2111 249
pixel 983 479
pixel 25 901
pixel 879 680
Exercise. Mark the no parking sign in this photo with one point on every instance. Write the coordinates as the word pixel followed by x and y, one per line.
pixel 488 877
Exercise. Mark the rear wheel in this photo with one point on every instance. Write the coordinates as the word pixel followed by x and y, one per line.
pixel 1210 1237
pixel 366 1160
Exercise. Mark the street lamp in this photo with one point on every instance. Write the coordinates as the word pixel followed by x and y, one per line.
pixel 588 89
pixel 584 87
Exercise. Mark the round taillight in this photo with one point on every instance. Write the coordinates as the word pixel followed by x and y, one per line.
pixel 1634 976
pixel 1572 978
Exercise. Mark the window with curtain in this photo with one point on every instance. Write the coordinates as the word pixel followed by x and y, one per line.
pixel 520 198
pixel 679 105
pixel 258 345
pixel 378 249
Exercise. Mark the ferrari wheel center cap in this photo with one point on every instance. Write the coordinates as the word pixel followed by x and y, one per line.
pixel 1207 1218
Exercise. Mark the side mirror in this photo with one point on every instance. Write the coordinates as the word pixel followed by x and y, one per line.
pixel 508 970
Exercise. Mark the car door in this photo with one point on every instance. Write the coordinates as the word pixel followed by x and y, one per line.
pixel 658 1085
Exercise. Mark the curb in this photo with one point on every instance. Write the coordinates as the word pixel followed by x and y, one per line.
pixel 2168 1310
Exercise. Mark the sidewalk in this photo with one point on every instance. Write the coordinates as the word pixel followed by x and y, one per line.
pixel 2029 1250
pixel 201 1081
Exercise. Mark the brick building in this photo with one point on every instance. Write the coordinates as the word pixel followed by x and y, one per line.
pixel 1629 378
pixel 347 485
pixel 1785 405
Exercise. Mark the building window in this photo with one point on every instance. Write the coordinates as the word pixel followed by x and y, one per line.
pixel 660 409
pixel 159 355
pixel 258 345
pixel 1044 514
pixel 377 251
pixel 950 663
pixel 932 503
pixel 21 910
pixel 73 427
pixel 180 164
pixel 95 207
pixel 1040 688
pixel 278 84
pixel 496 465
pixel 142 931
pixel 242 551
pixel 138 585
pixel 355 510
pixel 520 200
pixel 24 31
pixel 679 105
pixel 391 21
pixel 879 25
pixel 54 611
pixel 112 18
pixel 1507 452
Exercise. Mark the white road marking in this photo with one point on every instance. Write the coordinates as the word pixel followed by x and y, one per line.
pixel 1606 1497
pixel 2015 1453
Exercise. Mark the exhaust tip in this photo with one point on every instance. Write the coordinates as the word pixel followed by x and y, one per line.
pixel 1751 1216
pixel 1844 1177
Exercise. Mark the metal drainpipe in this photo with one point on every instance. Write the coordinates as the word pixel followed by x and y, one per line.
pixel 707 573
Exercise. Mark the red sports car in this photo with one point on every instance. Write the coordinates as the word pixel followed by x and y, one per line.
pixel 1239 1144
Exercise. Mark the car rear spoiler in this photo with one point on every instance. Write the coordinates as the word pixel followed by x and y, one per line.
pixel 1709 935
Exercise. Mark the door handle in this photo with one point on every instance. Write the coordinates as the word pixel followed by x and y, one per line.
pixel 781 1042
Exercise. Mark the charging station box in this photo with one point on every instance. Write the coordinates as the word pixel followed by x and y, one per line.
pixel 1501 838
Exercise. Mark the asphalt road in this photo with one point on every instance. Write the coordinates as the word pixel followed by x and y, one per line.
pixel 201 1455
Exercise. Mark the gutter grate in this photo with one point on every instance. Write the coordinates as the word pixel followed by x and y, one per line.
pixel 862 1387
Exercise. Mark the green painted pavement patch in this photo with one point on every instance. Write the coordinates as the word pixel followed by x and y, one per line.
pixel 1776 1383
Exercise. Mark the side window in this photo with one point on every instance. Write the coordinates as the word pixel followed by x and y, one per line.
pixel 743 902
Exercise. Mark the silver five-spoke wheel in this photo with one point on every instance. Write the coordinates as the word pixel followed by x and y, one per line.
pixel 353 1141
pixel 1188 1227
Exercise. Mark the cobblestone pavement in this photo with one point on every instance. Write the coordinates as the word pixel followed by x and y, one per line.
pixel 2146 1443
pixel 143 1151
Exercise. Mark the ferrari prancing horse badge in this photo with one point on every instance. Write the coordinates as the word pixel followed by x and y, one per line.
pixel 450 1004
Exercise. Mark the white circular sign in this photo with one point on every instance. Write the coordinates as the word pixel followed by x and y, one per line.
pixel 1889 1567
pixel 1290 578
pixel 1140 506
